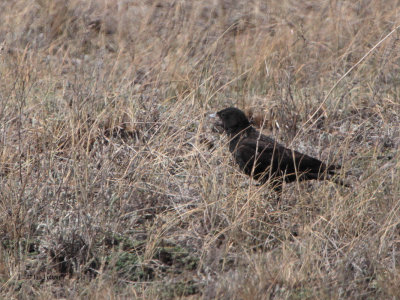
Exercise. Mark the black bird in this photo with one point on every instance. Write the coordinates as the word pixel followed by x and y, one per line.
pixel 273 161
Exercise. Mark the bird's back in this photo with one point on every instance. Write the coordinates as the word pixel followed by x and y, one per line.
pixel 273 159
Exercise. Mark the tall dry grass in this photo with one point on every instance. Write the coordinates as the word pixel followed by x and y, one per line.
pixel 114 185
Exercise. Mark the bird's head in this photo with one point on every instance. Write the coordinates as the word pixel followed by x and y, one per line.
pixel 232 120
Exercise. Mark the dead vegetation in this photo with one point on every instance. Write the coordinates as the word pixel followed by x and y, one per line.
pixel 113 184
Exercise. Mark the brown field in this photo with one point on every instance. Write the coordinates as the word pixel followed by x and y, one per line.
pixel 113 183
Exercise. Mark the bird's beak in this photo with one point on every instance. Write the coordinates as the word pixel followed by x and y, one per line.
pixel 218 125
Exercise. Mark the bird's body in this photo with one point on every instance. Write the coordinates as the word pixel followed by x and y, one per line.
pixel 264 159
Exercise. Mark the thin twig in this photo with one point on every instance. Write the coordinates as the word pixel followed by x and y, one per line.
pixel 344 75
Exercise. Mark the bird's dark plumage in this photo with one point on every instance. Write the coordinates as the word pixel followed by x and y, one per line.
pixel 273 162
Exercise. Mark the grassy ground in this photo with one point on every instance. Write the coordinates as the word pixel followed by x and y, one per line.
pixel 114 185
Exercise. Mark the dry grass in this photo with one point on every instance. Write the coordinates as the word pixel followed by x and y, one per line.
pixel 113 184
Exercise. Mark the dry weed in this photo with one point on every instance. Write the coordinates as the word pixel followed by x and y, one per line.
pixel 114 185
